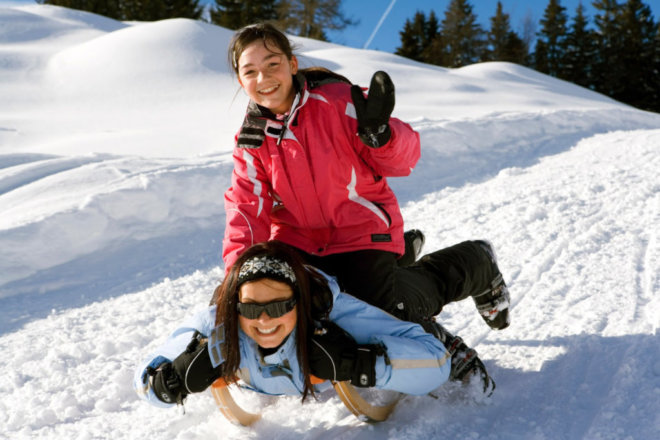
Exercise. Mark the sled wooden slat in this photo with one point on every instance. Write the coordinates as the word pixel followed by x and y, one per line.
pixel 360 407
pixel 228 406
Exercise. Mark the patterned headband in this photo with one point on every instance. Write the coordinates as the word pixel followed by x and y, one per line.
pixel 266 267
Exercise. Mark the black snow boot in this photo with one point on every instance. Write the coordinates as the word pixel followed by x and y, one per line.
pixel 414 240
pixel 493 303
pixel 465 363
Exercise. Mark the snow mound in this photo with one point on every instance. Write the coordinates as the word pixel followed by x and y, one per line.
pixel 164 50
pixel 82 205
pixel 18 26
pixel 72 18
pixel 513 75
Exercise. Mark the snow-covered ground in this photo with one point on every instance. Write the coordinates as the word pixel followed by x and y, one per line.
pixel 115 142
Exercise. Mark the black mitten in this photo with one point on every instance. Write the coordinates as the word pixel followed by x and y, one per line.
pixel 191 372
pixel 334 355
pixel 166 384
pixel 373 113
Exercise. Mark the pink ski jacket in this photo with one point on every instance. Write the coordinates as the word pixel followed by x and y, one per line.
pixel 307 180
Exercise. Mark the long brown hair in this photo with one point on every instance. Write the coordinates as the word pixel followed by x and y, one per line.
pixel 226 299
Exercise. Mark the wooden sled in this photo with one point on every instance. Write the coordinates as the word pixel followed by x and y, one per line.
pixel 346 392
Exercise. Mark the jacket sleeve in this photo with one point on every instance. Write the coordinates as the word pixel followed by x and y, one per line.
pixel 248 204
pixel 417 362
pixel 397 157
pixel 203 321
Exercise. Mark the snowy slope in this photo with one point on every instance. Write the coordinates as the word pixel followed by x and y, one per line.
pixel 115 143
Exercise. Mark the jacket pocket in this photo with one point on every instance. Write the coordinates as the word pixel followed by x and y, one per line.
pixel 382 209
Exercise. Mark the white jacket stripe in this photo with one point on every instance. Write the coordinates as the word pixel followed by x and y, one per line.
pixel 354 196
pixel 252 175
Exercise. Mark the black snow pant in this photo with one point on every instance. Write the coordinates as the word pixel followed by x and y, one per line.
pixel 416 292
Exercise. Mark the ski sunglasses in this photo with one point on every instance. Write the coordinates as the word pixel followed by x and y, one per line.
pixel 274 309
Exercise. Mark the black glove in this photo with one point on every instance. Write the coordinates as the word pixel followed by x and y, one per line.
pixel 373 113
pixel 166 384
pixel 334 355
pixel 191 372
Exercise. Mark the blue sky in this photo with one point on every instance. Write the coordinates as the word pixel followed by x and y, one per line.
pixel 370 12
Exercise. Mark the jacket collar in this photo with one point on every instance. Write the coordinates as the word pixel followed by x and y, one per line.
pixel 258 118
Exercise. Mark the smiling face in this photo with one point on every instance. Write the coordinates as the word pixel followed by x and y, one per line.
pixel 266 331
pixel 266 76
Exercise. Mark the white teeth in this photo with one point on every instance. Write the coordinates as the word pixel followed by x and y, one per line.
pixel 267 331
pixel 268 90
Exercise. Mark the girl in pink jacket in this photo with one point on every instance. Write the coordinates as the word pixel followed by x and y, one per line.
pixel 310 168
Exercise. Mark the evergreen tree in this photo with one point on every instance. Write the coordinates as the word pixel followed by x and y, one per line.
pixel 553 38
pixel 608 73
pixel 528 37
pixel 151 10
pixel 498 33
pixel 311 18
pixel 235 14
pixel 463 40
pixel 138 10
pixel 655 61
pixel 639 38
pixel 434 51
pixel 417 37
pixel 432 41
pixel 409 47
pixel 503 43
pixel 183 9
pixel 412 37
pixel 580 51
pixel 143 10
pixel 656 64
pixel 540 57
pixel 107 8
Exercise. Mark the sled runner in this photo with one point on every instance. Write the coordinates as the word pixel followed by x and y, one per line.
pixel 362 409
pixel 346 392
pixel 228 406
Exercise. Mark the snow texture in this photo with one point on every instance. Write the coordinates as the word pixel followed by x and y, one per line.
pixel 115 150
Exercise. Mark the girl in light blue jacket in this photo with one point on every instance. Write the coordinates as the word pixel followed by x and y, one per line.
pixel 279 326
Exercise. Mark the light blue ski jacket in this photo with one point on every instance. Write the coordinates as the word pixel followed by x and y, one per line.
pixel 417 362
